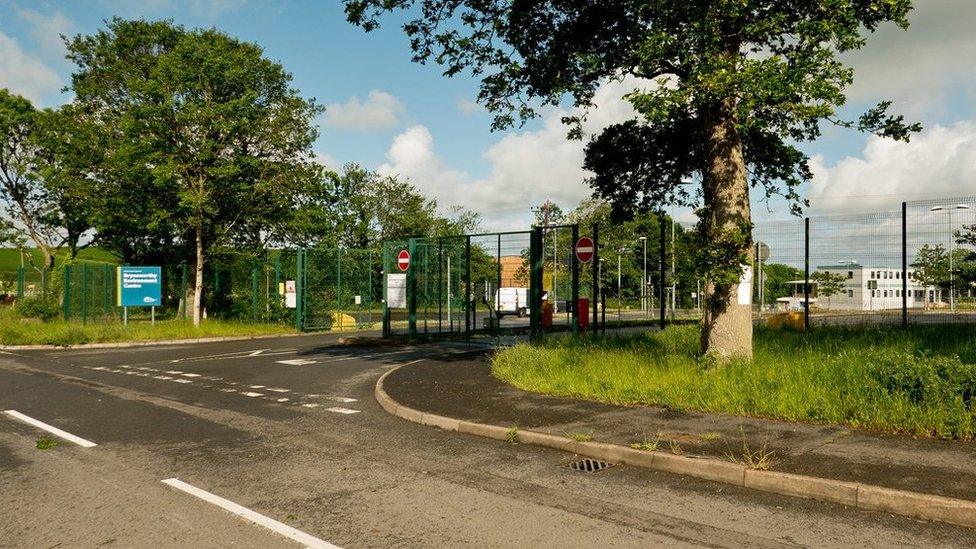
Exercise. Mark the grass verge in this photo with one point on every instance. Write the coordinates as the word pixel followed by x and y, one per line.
pixel 920 380
pixel 14 331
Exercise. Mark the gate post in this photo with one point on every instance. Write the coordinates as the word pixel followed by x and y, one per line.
pixel 662 262
pixel 412 290
pixel 535 282
pixel 575 264
pixel 67 292
pixel 596 274
pixel 384 272
pixel 300 289
pixel 904 264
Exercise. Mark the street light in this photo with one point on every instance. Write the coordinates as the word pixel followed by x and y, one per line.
pixel 643 240
pixel 952 284
pixel 620 254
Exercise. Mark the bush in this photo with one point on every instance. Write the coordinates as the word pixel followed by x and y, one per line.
pixel 42 307
pixel 924 379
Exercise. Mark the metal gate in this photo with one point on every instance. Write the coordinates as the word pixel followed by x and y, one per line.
pixel 486 284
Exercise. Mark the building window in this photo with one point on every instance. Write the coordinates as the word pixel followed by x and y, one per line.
pixel 872 275
pixel 850 293
pixel 886 274
pixel 850 275
pixel 885 293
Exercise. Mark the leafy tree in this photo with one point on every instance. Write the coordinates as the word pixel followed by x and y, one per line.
pixel 828 283
pixel 736 83
pixel 203 122
pixel 776 277
pixel 32 207
pixel 931 267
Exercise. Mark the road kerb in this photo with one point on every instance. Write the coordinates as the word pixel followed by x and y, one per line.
pixel 862 496
pixel 787 484
pixel 913 504
pixel 446 423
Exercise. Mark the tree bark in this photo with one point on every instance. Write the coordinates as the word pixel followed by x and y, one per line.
pixel 727 330
pixel 198 278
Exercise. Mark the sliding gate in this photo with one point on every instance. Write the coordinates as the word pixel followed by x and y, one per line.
pixel 492 283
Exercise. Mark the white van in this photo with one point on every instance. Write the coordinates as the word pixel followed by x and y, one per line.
pixel 512 301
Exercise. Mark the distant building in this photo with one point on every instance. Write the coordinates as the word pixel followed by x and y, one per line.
pixel 864 288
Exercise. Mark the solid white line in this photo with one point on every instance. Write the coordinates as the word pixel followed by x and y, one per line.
pixel 297 535
pixel 51 429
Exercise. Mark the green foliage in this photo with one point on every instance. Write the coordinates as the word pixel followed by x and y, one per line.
pixel 828 283
pixel 919 381
pixel 46 443
pixel 776 278
pixel 43 307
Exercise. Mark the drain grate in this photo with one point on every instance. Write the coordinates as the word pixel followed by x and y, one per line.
pixel 589 465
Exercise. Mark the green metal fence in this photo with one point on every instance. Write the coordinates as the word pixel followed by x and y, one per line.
pixel 488 283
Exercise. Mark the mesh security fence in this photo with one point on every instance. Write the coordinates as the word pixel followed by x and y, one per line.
pixel 914 266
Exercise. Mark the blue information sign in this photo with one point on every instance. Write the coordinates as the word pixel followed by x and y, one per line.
pixel 140 286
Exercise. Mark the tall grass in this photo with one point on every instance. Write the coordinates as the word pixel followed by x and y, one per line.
pixel 920 381
pixel 15 331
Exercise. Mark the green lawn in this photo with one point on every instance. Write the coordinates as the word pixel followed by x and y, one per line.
pixel 920 381
pixel 10 257
pixel 14 331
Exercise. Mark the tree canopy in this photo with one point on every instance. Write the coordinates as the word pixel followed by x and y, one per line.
pixel 728 88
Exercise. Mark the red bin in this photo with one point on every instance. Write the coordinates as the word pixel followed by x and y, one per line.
pixel 583 312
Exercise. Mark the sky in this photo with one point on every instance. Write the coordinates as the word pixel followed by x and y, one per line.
pixel 397 117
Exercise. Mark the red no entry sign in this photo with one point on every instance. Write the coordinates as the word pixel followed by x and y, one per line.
pixel 584 249
pixel 403 260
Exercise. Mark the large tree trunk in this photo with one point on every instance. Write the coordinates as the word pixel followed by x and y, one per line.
pixel 727 330
pixel 198 278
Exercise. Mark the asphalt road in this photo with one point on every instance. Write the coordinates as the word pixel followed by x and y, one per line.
pixel 288 429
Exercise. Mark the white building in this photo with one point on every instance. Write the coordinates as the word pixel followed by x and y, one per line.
pixel 864 288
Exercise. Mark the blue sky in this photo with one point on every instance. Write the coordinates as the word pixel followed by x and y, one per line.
pixel 390 114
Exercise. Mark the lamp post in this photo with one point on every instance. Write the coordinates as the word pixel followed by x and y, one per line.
pixel 952 281
pixel 620 254
pixel 643 240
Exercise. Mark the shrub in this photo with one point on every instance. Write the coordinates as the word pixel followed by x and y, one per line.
pixel 42 307
pixel 923 378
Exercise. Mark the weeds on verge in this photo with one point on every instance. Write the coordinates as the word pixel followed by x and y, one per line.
pixel 759 459
pixel 675 447
pixel 581 437
pixel 512 436
pixel 646 445
pixel 709 436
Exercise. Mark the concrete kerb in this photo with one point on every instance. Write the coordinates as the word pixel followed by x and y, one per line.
pixel 861 496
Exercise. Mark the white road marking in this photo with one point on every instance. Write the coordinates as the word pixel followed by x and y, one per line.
pixel 413 362
pixel 190 375
pixel 310 405
pixel 51 429
pixel 165 378
pixel 342 399
pixel 174 372
pixel 339 410
pixel 257 386
pixel 182 381
pixel 281 400
pixel 277 390
pixel 297 535
pixel 226 390
pixel 296 362
pixel 251 394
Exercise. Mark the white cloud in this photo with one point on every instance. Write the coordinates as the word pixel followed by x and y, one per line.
pixel 527 167
pixel 468 107
pixel 25 74
pixel 381 110
pixel 918 68
pixel 325 160
pixel 208 9
pixel 46 30
pixel 939 162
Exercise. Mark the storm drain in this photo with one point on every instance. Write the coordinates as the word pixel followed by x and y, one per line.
pixel 588 465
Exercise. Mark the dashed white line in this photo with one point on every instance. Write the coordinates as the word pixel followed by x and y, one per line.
pixel 310 405
pixel 340 410
pixel 50 428
pixel 296 362
pixel 187 374
pixel 251 394
pixel 307 540
pixel 257 386
pixel 278 390
pixel 341 399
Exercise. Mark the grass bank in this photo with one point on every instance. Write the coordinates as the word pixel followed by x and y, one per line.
pixel 15 331
pixel 920 381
